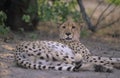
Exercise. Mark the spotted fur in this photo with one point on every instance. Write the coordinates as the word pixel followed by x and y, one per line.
pixel 65 54
pixel 46 55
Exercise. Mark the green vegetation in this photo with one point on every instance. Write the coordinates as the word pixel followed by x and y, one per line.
pixel 116 2
pixel 55 11
pixel 84 33
pixel 26 18
pixel 58 10
pixel 33 36
pixel 3 30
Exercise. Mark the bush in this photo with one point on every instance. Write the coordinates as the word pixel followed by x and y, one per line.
pixel 57 10
pixel 3 29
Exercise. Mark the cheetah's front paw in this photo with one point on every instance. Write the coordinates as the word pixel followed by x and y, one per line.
pixel 77 66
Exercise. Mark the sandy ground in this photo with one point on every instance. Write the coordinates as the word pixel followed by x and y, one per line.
pixel 8 68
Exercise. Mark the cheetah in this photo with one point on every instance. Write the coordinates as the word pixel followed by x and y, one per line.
pixel 67 53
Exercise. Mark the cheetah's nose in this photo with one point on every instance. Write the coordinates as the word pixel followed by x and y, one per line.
pixel 68 33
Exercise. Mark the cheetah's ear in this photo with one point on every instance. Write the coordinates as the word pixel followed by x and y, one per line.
pixel 59 24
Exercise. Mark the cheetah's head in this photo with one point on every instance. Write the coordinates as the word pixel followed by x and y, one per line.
pixel 69 30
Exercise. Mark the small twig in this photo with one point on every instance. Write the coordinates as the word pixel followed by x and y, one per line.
pixel 98 21
pixel 103 18
pixel 95 9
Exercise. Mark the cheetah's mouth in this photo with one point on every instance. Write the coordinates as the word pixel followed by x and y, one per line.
pixel 68 38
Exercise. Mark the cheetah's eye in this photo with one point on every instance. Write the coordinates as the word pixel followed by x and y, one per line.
pixel 63 27
pixel 73 27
